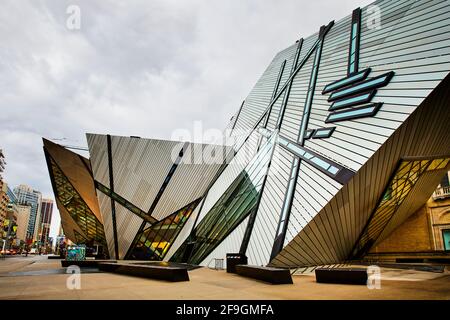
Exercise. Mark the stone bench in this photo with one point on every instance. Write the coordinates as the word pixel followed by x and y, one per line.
pixel 409 260
pixel 84 263
pixel 268 274
pixel 55 257
pixel 167 273
pixel 342 275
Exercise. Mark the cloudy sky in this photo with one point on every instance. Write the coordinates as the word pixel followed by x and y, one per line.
pixel 138 67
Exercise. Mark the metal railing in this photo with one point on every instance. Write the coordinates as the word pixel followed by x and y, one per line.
pixel 441 193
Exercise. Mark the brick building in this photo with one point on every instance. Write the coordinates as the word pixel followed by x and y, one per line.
pixel 425 233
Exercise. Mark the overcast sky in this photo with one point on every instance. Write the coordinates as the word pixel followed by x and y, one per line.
pixel 137 67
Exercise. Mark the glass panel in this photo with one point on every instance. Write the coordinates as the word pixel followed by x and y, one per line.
pixel 359 87
pixel 438 164
pixel 354 30
pixel 404 180
pixel 78 209
pixel 308 133
pixel 296 149
pixel 322 133
pixel 360 98
pixel 320 163
pixel 446 238
pixel 343 82
pixel 445 181
pixel 308 155
pixel 352 68
pixel 333 170
pixel 155 241
pixel 352 113
pixel 352 57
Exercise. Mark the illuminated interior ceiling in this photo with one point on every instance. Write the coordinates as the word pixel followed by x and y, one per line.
pixel 402 184
pixel 154 242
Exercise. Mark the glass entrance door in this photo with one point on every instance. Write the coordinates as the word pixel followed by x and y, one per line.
pixel 446 237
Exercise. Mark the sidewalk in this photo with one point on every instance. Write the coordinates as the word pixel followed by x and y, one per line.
pixel 206 284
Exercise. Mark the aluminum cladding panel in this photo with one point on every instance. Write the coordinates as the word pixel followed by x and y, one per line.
pixel 191 178
pixel 140 167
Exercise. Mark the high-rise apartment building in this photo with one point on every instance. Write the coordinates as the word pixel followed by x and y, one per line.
pixel 45 220
pixel 4 201
pixel 28 196
pixel 23 217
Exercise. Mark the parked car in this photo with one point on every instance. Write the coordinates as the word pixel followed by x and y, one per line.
pixel 8 252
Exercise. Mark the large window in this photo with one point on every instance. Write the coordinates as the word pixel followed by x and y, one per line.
pixel 230 210
pixel 404 180
pixel 154 242
pixel 77 208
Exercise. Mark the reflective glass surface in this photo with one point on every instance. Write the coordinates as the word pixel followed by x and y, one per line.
pixel 230 210
pixel 341 83
pixel 155 241
pixel 360 98
pixel 404 180
pixel 77 208
pixel 359 87
pixel 350 113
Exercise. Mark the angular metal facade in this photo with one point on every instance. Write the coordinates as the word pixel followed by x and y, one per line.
pixel 75 195
pixel 144 182
pixel 327 213
pixel 326 135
